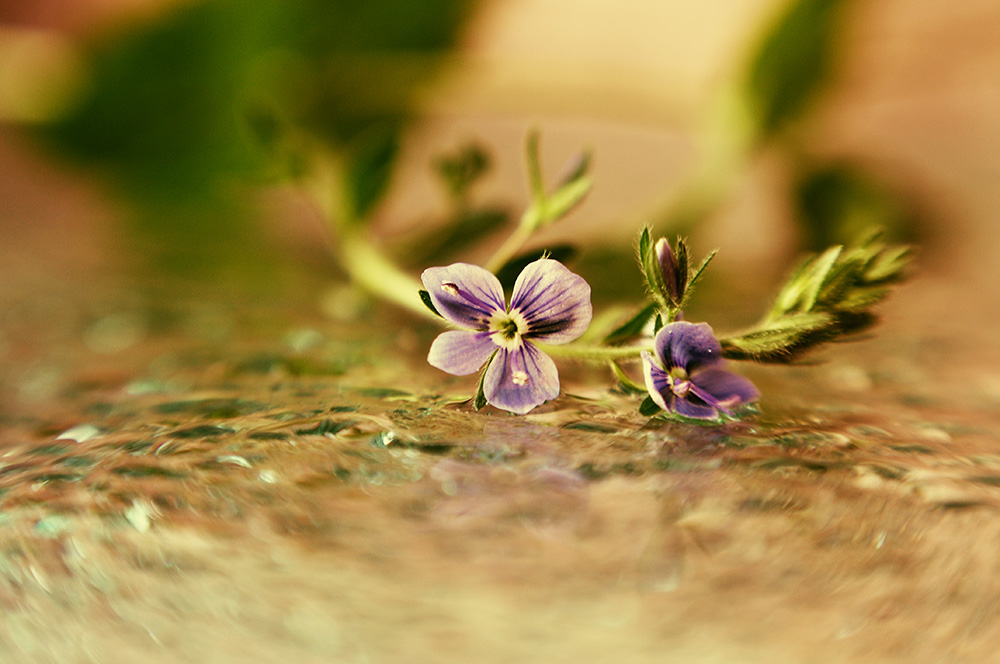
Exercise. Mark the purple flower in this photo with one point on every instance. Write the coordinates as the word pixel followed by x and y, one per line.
pixel 550 304
pixel 687 375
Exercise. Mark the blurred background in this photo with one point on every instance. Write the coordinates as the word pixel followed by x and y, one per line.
pixel 201 141
pixel 213 446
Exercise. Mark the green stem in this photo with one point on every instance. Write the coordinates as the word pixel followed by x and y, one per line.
pixel 369 269
pixel 364 263
pixel 593 353
pixel 509 248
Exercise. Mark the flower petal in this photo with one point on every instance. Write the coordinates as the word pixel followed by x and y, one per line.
pixel 461 352
pixel 657 382
pixel 520 378
pixel 555 302
pixel 687 345
pixel 693 407
pixel 464 294
pixel 721 389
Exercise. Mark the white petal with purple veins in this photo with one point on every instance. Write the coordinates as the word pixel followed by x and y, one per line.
pixel 520 379
pixel 657 382
pixel 464 294
pixel 461 352
pixel 554 301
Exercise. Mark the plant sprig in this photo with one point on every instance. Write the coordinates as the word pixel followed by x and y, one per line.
pixel 828 298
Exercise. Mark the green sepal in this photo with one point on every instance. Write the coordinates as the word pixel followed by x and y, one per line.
pixel 479 401
pixel 682 253
pixel 650 266
pixel 696 277
pixel 425 297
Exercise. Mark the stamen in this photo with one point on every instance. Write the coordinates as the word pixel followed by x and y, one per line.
pixel 519 378
pixel 449 288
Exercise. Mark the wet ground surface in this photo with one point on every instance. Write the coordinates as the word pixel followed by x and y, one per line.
pixel 279 486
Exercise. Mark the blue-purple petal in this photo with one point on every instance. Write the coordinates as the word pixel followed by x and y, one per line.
pixel 722 389
pixel 461 352
pixel 520 378
pixel 464 294
pixel 657 382
pixel 687 345
pixel 555 302
pixel 693 407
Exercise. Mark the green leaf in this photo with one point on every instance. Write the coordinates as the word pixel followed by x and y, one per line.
pixel 370 161
pixel 479 401
pixel 633 327
pixel 817 277
pixel 425 297
pixel 534 167
pixel 461 169
pixel 565 199
pixel 644 244
pixel 793 63
pixel 648 407
pixel 696 277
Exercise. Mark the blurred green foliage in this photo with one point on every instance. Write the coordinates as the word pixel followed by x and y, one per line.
pixel 792 64
pixel 217 94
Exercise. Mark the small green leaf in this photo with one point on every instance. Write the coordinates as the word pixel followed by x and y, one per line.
pixel 425 297
pixel 696 277
pixel 566 198
pixel 534 166
pixel 644 244
pixel 578 166
pixel 479 401
pixel 648 407
pixel 633 327
pixel 461 169
pixel 817 277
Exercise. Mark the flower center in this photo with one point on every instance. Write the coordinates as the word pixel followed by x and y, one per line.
pixel 679 383
pixel 507 329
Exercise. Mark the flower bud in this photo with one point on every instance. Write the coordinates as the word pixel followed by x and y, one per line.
pixel 673 280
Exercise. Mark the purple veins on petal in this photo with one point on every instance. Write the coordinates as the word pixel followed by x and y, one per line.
pixel 464 294
pixel 687 345
pixel 461 352
pixel 554 302
pixel 520 379
pixel 687 376
pixel 549 303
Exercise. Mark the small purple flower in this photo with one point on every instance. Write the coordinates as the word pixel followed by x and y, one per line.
pixel 687 376
pixel 550 304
